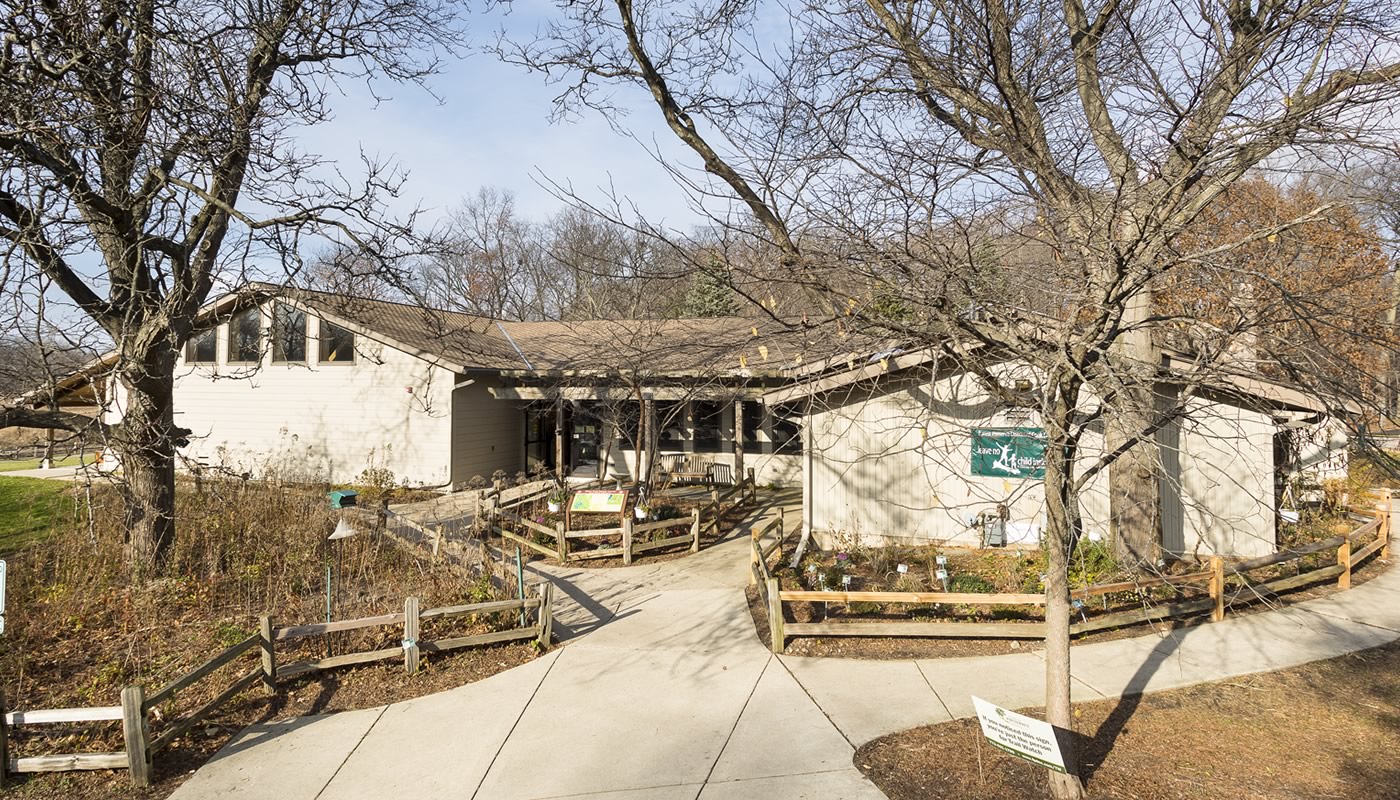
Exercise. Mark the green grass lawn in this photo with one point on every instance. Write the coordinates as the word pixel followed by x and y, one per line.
pixel 33 463
pixel 27 509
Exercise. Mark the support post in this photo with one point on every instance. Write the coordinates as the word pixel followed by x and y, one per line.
pixel 738 438
pixel 269 656
pixel 410 635
pixel 651 439
pixel 546 615
pixel 1217 588
pixel 775 616
pixel 136 735
pixel 563 541
pixel 695 531
pixel 626 540
pixel 559 467
pixel 753 487
pixel 1344 561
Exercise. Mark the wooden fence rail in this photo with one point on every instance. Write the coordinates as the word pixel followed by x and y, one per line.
pixel 1224 585
pixel 557 544
pixel 135 711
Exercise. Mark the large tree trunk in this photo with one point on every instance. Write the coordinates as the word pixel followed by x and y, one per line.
pixel 1059 539
pixel 146 440
pixel 1134 492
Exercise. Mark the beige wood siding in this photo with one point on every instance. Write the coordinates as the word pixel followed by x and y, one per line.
pixel 487 434
pixel 1227 490
pixel 895 465
pixel 388 410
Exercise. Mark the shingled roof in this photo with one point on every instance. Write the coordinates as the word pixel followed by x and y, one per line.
pixel 739 346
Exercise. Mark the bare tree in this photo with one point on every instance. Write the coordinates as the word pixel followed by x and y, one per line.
pixel 155 139
pixel 1015 176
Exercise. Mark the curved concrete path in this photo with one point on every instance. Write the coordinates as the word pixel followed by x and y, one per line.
pixel 664 692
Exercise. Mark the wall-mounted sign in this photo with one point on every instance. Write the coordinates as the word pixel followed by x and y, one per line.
pixel 1020 735
pixel 598 502
pixel 1008 452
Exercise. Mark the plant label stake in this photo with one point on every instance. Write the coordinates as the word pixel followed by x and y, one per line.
pixel 343 530
pixel 902 568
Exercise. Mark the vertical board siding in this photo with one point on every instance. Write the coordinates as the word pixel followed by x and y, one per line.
pixel 1227 490
pixel 487 434
pixel 321 422
pixel 877 476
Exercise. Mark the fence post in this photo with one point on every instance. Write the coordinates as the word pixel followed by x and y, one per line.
pixel 1217 588
pixel 627 540
pixel 4 741
pixel 563 541
pixel 1385 531
pixel 753 488
pixel 755 553
pixel 695 531
pixel 410 635
pixel 269 656
pixel 775 615
pixel 1344 561
pixel 546 615
pixel 136 735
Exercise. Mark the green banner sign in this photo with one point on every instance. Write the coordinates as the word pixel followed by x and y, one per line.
pixel 1008 452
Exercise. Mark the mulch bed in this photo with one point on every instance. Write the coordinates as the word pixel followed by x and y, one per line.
pixel 1323 730
pixel 908 647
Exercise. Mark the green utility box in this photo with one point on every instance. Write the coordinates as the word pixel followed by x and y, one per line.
pixel 343 498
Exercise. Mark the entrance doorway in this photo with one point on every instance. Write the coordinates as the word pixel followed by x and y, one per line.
pixel 582 438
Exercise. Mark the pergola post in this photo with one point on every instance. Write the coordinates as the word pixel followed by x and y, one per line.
pixel 648 434
pixel 559 467
pixel 739 439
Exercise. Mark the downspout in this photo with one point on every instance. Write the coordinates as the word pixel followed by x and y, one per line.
pixel 808 444
pixel 525 422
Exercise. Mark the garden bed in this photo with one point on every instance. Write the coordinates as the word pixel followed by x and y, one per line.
pixel 1325 729
pixel 78 629
pixel 678 507
pixel 1015 575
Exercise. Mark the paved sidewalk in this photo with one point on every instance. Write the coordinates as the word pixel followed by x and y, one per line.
pixel 665 692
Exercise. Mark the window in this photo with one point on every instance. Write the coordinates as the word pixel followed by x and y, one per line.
pixel 753 423
pixel 245 337
pixel 787 429
pixel 628 417
pixel 709 426
pixel 203 347
pixel 337 344
pixel 670 420
pixel 288 335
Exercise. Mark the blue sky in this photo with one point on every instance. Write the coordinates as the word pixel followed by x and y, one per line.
pixel 492 128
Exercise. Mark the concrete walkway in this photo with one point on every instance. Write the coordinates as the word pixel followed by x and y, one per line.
pixel 664 691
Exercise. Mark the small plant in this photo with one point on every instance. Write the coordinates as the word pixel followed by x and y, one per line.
pixel 967 583
pixel 228 634
pixel 667 511
pixel 477 482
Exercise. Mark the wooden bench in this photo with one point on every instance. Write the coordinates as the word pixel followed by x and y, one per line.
pixel 688 468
